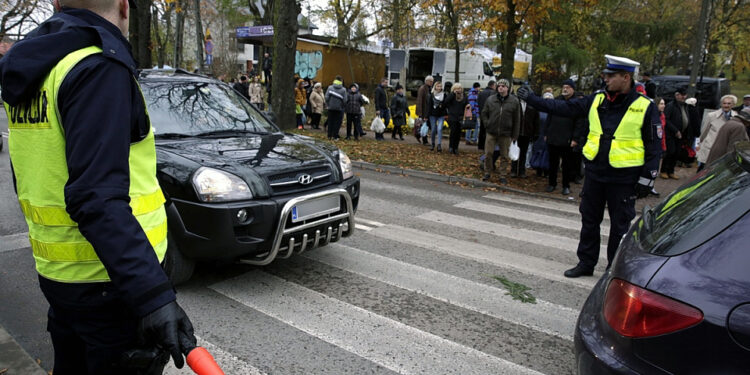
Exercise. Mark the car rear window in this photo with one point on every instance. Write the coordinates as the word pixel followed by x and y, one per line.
pixel 697 211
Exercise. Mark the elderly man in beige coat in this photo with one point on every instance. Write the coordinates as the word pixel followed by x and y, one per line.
pixel 711 126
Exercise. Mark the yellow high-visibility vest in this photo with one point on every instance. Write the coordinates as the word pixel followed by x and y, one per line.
pixel 36 144
pixel 627 145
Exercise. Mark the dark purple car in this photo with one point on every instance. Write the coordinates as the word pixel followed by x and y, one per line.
pixel 677 297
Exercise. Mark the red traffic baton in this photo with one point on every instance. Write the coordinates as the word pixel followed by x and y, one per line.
pixel 202 363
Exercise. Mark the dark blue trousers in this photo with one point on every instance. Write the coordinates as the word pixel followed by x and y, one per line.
pixel 90 328
pixel 620 202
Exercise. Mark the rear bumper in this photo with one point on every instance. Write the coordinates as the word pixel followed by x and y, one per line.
pixel 217 232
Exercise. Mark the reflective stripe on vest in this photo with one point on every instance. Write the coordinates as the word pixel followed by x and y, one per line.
pixel 36 144
pixel 627 148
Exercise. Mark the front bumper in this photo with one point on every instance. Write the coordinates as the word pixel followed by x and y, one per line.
pixel 210 231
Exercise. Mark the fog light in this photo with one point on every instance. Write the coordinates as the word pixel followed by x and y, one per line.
pixel 242 215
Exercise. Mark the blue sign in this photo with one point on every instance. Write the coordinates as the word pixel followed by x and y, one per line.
pixel 254 31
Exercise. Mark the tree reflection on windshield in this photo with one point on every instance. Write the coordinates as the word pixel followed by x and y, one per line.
pixel 193 108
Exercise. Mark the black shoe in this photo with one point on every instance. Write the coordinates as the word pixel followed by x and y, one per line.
pixel 503 180
pixel 432 147
pixel 566 191
pixel 550 188
pixel 654 192
pixel 578 271
pixel 402 137
pixel 522 175
pixel 439 148
pixel 486 177
pixel 513 174
pixel 348 138
pixel 578 180
pixel 362 134
pixel 450 150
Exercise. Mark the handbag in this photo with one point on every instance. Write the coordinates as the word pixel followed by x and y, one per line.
pixel 417 126
pixel 468 121
pixel 424 130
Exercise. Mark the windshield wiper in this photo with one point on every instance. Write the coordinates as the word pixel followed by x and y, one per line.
pixel 229 131
pixel 172 135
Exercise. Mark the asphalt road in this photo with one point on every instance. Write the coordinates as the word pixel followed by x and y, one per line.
pixel 413 291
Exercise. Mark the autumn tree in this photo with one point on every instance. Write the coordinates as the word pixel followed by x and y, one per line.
pixel 140 33
pixel 17 15
pixel 285 46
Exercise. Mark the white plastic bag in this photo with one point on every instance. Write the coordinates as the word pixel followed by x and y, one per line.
pixel 377 125
pixel 425 129
pixel 514 151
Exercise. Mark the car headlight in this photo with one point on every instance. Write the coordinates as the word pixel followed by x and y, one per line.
pixel 213 185
pixel 346 165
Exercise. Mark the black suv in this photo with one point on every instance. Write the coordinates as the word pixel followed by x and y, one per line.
pixel 708 93
pixel 238 188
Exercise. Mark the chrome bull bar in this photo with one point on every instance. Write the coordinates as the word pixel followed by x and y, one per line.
pixel 321 239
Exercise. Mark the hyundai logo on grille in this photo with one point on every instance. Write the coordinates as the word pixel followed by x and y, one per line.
pixel 304 179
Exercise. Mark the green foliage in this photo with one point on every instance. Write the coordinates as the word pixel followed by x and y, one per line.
pixel 516 290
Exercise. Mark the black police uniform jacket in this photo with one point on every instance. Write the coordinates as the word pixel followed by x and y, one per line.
pixel 611 112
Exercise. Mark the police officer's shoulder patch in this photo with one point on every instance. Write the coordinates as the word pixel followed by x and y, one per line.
pixel 659 132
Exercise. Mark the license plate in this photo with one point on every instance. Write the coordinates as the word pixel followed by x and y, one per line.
pixel 316 207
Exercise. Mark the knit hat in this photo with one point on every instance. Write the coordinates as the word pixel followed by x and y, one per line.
pixel 504 82
pixel 399 87
pixel 570 83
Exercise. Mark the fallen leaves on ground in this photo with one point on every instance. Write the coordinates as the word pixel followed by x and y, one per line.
pixel 409 155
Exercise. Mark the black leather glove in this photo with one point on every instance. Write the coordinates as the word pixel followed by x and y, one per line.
pixel 168 328
pixel 643 187
pixel 524 92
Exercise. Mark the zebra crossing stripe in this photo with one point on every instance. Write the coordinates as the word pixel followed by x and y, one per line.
pixel 567 208
pixel 228 362
pixel 384 341
pixel 520 214
pixel 543 316
pixel 371 223
pixel 496 256
pixel 502 230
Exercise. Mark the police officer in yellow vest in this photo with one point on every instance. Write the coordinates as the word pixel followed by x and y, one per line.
pixel 82 152
pixel 621 152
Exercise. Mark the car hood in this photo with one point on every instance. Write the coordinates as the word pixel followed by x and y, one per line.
pixel 263 153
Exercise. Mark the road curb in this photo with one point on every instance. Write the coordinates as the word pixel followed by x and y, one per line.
pixel 432 176
pixel 15 359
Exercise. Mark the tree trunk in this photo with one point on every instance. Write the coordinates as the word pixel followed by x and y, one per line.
pixel 284 47
pixel 158 38
pixel 179 32
pixel 511 39
pixel 697 48
pixel 140 33
pixel 198 36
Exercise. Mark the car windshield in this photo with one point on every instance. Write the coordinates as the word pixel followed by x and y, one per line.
pixel 197 108
pixel 697 211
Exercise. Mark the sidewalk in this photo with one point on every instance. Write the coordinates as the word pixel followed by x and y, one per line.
pixel 14 360
pixel 469 155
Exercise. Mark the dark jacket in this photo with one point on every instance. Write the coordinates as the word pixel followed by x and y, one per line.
pixel 399 109
pixel 336 97
pixel 436 108
pixel 242 88
pixel 611 112
pixel 102 113
pixel 381 98
pixel 560 130
pixel 422 97
pixel 455 108
pixel 732 132
pixel 355 103
pixel 482 97
pixel 650 89
pixel 502 116
pixel 529 122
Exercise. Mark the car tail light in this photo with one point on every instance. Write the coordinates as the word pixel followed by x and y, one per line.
pixel 636 312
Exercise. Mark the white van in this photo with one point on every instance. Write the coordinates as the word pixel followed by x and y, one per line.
pixel 438 62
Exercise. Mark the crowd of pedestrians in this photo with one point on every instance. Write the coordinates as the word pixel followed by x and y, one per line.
pixel 493 118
